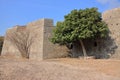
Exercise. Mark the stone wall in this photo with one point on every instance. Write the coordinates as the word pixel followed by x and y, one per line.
pixel 37 29
pixel 41 48
pixel 51 50
pixel 8 48
pixel 112 18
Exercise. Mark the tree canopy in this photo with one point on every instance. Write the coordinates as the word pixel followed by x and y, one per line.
pixel 78 25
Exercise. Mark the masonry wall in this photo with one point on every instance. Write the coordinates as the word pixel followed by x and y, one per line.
pixel 41 48
pixel 8 48
pixel 112 18
pixel 36 29
pixel 51 50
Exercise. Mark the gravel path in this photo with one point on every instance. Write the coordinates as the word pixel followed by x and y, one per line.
pixel 50 70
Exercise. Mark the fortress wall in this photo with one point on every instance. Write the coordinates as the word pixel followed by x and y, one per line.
pixel 36 29
pixel 8 48
pixel 51 50
pixel 111 14
pixel 112 18
pixel 41 48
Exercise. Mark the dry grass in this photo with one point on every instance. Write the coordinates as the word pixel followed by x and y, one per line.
pixel 107 66
pixel 59 69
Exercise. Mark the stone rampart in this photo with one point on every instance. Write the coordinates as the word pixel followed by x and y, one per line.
pixel 41 47
pixel 112 18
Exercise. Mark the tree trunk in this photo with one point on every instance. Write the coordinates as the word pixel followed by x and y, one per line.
pixel 83 49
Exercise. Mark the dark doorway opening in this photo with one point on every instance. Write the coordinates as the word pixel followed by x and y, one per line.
pixel 95 44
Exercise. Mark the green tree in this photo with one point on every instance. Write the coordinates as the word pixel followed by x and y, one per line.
pixel 79 25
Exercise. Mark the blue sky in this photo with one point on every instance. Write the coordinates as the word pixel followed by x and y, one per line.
pixel 21 12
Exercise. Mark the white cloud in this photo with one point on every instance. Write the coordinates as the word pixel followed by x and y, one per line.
pixel 110 3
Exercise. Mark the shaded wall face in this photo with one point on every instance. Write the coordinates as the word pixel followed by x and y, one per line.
pixel 1 45
pixel 92 47
pixel 51 50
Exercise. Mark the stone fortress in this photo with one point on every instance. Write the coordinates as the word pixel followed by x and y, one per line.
pixel 42 48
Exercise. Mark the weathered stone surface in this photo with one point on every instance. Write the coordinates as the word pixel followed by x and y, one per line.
pixel 8 48
pixel 41 48
pixel 112 18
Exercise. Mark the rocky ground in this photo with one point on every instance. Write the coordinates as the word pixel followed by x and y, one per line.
pixel 59 69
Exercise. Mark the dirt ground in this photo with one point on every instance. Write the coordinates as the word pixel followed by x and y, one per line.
pixel 59 69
